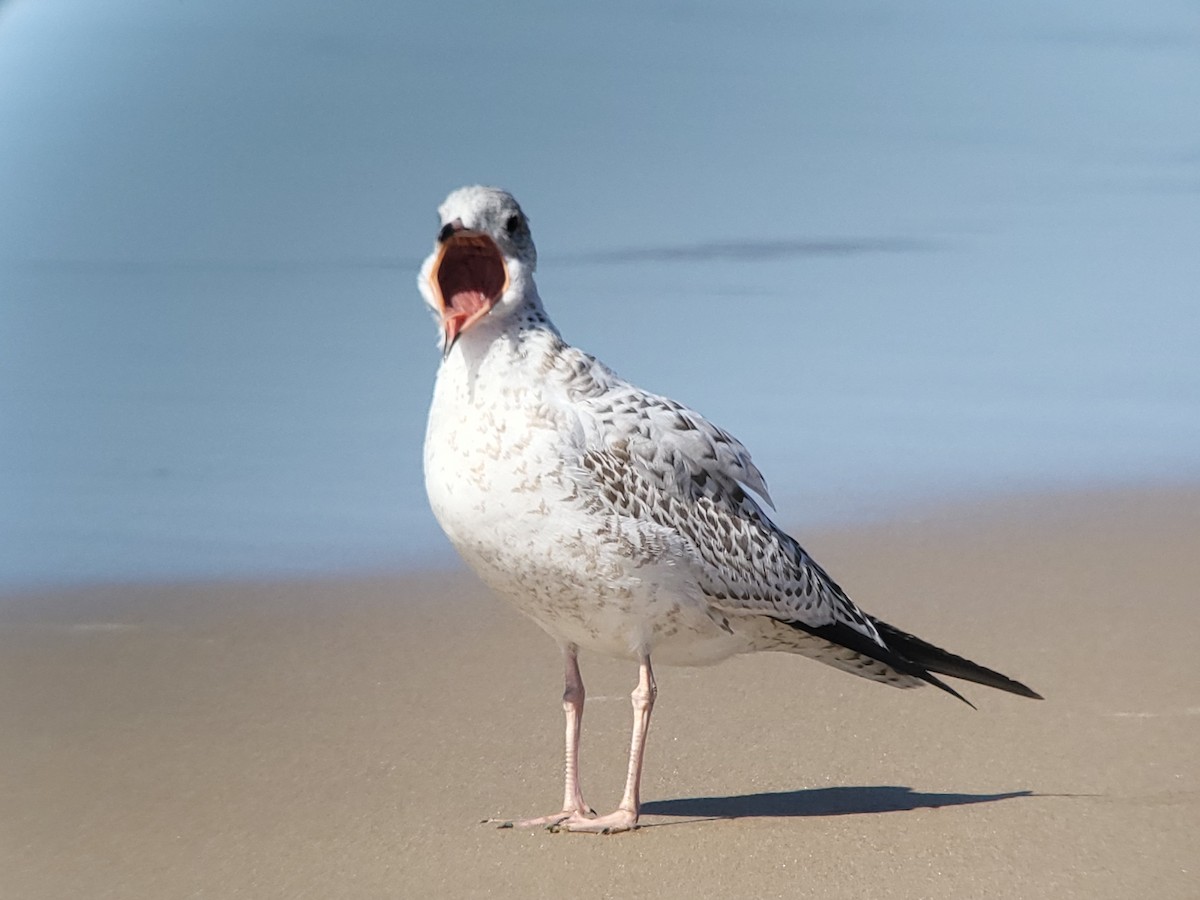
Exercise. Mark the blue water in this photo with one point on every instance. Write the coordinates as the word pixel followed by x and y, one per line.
pixel 908 253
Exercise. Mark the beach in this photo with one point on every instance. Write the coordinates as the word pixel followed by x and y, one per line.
pixel 345 738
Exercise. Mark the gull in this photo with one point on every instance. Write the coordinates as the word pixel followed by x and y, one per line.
pixel 620 521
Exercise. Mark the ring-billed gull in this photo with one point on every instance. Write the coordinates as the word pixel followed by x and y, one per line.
pixel 621 521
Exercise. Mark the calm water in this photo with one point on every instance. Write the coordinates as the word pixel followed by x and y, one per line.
pixel 907 253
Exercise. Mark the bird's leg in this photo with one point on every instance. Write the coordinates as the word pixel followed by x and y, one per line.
pixel 573 697
pixel 626 815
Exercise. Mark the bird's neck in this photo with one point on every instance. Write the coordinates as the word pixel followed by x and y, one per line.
pixel 507 336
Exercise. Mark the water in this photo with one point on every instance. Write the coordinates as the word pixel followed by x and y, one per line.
pixel 906 253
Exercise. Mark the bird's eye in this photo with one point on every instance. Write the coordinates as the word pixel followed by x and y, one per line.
pixel 513 223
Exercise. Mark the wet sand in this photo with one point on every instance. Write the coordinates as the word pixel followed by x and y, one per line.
pixel 336 739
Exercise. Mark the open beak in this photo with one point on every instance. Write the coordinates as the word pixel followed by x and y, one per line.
pixel 468 279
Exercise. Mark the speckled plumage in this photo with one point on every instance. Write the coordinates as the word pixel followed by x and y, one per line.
pixel 619 520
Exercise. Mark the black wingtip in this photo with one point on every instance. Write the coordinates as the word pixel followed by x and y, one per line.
pixel 912 656
pixel 852 639
pixel 935 659
pixel 937 682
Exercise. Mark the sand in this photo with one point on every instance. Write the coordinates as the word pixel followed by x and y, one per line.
pixel 345 738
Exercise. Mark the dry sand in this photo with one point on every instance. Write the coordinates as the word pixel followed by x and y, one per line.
pixel 344 739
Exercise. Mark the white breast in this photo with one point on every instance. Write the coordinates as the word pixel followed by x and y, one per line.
pixel 503 474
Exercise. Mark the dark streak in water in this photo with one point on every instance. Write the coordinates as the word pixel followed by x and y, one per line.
pixel 749 251
pixel 724 251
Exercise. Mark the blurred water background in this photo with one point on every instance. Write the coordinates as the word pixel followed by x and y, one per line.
pixel 909 253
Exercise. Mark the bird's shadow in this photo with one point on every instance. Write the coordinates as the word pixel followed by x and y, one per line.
pixel 834 801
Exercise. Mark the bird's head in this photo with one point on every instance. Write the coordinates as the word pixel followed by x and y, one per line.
pixel 482 263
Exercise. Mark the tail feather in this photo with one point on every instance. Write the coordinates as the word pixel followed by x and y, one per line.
pixel 935 659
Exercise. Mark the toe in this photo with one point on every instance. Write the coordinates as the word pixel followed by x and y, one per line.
pixel 550 821
pixel 613 823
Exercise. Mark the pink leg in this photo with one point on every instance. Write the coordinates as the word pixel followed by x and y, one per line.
pixel 573 697
pixel 626 815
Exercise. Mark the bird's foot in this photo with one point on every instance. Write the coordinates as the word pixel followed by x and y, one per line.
pixel 552 821
pixel 613 823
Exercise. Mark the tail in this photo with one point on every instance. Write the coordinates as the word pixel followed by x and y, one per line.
pixel 935 659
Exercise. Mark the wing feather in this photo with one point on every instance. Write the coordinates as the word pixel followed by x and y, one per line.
pixel 649 458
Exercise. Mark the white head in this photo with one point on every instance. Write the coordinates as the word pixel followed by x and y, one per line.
pixel 483 262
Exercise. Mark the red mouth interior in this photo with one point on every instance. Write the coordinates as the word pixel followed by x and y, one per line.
pixel 470 277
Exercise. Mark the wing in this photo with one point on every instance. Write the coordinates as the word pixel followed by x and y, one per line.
pixel 652 459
